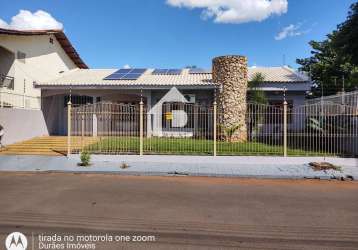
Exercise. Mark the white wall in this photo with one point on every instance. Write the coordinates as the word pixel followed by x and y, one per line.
pixel 21 124
pixel 43 62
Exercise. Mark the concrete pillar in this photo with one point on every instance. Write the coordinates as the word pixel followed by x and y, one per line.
pixel 231 73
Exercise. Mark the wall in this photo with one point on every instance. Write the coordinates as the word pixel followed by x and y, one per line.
pixel 21 124
pixel 44 60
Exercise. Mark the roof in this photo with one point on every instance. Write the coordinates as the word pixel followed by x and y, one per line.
pixel 95 77
pixel 61 38
pixel 282 74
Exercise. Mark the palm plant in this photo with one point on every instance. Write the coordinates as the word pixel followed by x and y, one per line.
pixel 256 95
pixel 230 131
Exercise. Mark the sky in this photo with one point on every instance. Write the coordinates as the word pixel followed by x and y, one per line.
pixel 180 33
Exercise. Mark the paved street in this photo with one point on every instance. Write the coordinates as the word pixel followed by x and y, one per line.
pixel 181 212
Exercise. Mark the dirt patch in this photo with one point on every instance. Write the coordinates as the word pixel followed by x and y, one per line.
pixel 322 166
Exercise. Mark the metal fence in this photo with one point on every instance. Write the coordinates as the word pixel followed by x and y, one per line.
pixel 193 129
pixel 347 98
pixel 324 129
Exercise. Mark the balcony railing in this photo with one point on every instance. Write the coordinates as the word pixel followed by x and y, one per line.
pixel 9 99
pixel 6 81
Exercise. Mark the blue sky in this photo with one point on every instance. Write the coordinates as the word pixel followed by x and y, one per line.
pixel 152 33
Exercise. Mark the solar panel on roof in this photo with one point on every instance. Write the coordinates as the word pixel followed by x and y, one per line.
pixel 131 76
pixel 126 74
pixel 137 71
pixel 174 72
pixel 167 72
pixel 115 76
pixel 160 71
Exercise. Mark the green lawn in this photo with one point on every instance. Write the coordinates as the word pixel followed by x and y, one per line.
pixel 188 146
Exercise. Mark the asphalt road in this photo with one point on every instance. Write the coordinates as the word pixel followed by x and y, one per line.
pixel 178 212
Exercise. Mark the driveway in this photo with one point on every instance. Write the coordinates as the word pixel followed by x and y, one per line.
pixel 181 212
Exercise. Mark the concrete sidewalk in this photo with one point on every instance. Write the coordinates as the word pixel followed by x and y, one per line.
pixel 229 166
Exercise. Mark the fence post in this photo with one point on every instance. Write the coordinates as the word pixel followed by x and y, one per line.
pixel 285 128
pixel 141 127
pixel 214 126
pixel 69 105
pixel 1 97
pixel 82 129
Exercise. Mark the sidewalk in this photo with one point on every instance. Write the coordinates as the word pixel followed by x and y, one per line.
pixel 221 166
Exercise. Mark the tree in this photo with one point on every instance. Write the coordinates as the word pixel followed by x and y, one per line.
pixel 256 95
pixel 334 61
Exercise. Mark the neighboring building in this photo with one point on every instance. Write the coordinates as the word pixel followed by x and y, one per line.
pixel 32 56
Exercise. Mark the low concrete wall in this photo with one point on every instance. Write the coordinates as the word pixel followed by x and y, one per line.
pixel 21 124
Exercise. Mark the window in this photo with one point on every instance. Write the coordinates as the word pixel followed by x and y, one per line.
pixel 21 56
pixel 77 100
pixel 6 82
pixel 274 112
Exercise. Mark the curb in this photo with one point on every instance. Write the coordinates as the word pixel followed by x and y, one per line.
pixel 172 174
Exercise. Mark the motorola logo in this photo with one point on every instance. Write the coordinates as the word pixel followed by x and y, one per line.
pixel 16 241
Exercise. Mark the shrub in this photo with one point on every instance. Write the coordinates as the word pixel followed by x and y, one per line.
pixel 85 158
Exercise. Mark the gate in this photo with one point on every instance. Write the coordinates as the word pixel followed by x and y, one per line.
pixel 114 126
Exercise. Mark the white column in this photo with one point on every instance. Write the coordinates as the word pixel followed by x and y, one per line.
pixel 148 95
pixel 285 128
pixel 94 120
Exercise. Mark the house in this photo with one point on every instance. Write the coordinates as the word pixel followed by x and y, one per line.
pixel 31 56
pixel 91 85
pixel 44 63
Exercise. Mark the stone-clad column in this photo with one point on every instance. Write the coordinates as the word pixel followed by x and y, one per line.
pixel 231 73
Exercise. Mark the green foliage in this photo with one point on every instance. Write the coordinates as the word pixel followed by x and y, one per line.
pixel 335 124
pixel 85 158
pixel 335 58
pixel 188 146
pixel 230 131
pixel 256 95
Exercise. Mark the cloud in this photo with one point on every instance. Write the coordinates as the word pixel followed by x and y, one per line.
pixel 25 20
pixel 127 66
pixel 234 11
pixel 290 31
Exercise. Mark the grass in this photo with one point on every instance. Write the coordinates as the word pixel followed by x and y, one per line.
pixel 189 146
